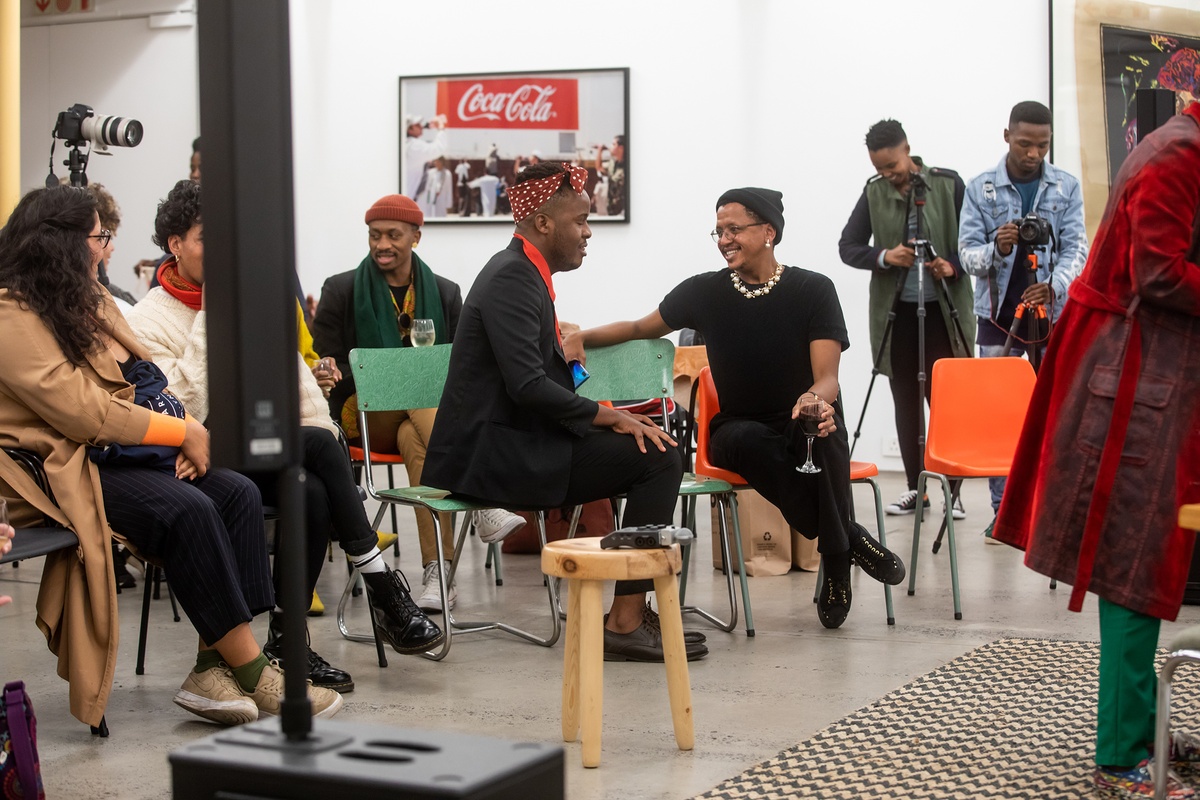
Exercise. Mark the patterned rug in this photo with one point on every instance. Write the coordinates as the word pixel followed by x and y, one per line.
pixel 1013 720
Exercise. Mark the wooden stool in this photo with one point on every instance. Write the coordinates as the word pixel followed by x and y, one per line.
pixel 586 566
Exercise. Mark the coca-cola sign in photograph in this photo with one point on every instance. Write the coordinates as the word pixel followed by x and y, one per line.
pixel 464 139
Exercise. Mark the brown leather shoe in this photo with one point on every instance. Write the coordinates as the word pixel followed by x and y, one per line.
pixel 644 643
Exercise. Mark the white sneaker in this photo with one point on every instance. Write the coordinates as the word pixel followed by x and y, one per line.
pixel 431 598
pixel 494 525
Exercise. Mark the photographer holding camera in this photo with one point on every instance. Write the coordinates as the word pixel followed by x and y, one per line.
pixel 1022 236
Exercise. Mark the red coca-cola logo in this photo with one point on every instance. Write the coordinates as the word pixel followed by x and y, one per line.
pixel 547 103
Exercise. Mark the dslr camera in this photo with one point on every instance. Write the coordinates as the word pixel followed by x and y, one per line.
pixel 79 125
pixel 1033 231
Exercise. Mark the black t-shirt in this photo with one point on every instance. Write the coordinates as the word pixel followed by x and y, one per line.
pixel 758 348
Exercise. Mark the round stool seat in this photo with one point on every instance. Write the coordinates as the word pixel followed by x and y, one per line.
pixel 584 560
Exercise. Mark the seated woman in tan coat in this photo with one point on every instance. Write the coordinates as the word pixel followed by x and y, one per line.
pixel 111 461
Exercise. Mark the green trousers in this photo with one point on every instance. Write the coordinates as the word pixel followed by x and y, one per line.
pixel 1128 686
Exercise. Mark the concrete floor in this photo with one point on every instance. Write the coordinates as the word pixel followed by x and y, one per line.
pixel 752 697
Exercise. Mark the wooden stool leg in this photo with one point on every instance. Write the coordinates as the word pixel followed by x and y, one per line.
pixel 591 665
pixel 570 680
pixel 679 688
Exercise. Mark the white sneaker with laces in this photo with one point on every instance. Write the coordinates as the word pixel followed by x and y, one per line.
pixel 494 525
pixel 431 598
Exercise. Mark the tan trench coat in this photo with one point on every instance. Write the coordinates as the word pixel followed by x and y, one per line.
pixel 54 408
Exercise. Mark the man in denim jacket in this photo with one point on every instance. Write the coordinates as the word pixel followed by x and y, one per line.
pixel 996 201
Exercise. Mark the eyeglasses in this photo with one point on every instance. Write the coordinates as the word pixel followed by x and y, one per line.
pixel 718 234
pixel 105 236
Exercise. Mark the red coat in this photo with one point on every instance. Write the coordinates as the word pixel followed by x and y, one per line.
pixel 1111 444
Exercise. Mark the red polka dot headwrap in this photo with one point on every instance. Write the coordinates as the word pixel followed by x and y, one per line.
pixel 529 196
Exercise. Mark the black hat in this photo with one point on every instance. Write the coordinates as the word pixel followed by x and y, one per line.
pixel 766 203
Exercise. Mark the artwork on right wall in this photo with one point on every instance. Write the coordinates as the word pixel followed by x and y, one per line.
pixel 1119 47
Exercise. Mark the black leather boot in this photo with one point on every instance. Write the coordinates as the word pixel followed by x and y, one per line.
pixel 320 671
pixel 405 627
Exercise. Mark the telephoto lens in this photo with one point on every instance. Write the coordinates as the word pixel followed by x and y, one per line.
pixel 112 131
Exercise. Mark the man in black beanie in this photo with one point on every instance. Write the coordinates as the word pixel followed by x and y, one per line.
pixel 775 336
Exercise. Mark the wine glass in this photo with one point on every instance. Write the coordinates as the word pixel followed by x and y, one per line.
pixel 812 414
pixel 423 334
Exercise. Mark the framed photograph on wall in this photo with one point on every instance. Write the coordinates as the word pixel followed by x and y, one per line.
pixel 465 138
pixel 1102 52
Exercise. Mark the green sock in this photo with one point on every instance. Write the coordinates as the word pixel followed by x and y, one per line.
pixel 207 659
pixel 248 674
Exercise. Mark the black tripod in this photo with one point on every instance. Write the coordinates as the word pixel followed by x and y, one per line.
pixel 923 254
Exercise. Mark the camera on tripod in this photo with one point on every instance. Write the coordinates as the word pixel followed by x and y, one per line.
pixel 79 124
pixel 1033 231
pixel 78 127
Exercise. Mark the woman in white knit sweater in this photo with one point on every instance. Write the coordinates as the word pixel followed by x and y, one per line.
pixel 171 322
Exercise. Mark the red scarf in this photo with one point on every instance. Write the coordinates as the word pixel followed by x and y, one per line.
pixel 175 285
pixel 543 268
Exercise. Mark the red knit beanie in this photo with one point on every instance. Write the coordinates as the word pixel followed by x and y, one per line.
pixel 396 207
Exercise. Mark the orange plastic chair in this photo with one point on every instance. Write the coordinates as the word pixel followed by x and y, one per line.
pixel 976 410
pixel 707 406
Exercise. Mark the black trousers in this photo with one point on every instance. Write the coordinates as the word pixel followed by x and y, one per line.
pixel 906 389
pixel 207 534
pixel 766 453
pixel 605 463
pixel 332 505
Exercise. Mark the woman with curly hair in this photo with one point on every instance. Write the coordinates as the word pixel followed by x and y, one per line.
pixel 73 394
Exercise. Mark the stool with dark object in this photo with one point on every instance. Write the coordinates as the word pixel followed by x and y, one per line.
pixel 586 566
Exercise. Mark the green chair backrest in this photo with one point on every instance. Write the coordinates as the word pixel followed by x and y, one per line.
pixel 637 370
pixel 399 378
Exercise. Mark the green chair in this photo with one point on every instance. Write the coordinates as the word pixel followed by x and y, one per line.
pixel 400 378
pixel 645 369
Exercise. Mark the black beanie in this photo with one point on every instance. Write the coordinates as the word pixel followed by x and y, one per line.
pixel 766 203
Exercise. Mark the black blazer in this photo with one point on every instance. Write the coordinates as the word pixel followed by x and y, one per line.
pixel 335 335
pixel 509 412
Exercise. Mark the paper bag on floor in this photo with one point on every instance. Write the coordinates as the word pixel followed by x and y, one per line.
pixel 766 537
pixel 804 552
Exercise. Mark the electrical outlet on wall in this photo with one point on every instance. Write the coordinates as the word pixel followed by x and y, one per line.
pixel 891 446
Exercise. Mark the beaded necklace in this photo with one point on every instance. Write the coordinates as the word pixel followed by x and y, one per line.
pixel 761 291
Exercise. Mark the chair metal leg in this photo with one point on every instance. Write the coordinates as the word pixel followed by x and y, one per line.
pixel 949 517
pixel 1162 721
pixel 887 590
pixel 174 607
pixel 725 559
pixel 147 589
pixel 454 627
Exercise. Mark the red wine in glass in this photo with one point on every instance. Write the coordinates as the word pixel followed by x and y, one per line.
pixel 810 418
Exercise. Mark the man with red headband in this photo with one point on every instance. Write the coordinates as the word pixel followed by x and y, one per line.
pixel 512 431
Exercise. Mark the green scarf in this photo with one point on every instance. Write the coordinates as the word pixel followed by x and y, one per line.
pixel 375 313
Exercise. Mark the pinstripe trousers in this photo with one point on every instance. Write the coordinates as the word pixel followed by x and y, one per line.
pixel 207 534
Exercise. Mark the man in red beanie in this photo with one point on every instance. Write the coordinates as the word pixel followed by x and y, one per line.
pixel 374 305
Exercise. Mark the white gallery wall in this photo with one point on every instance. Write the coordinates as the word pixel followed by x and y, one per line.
pixel 773 93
